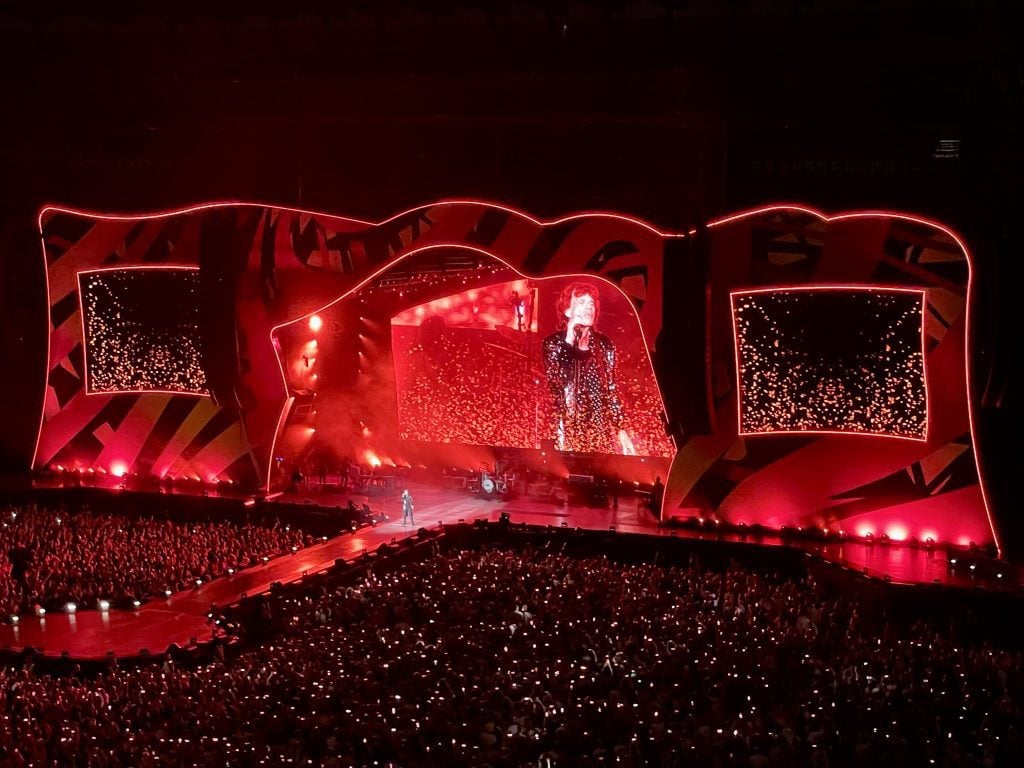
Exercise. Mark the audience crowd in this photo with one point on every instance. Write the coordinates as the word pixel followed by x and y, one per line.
pixel 532 658
pixel 56 556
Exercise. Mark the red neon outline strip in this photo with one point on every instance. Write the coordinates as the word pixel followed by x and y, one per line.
pixel 85 353
pixel 482 252
pixel 444 201
pixel 766 209
pixel 924 368
pixel 138 267
pixel 85 343
pixel 828 287
pixel 736 360
pixel 845 288
pixel 49 342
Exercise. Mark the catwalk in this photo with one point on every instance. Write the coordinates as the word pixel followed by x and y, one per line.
pixel 182 619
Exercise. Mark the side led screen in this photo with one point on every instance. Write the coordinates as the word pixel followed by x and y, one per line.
pixel 557 363
pixel 142 330
pixel 831 360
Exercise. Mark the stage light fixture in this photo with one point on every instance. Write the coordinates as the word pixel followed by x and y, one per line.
pixel 316 323
pixel 70 607
pixel 104 605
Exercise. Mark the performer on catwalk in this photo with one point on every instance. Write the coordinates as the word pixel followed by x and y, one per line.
pixel 407 508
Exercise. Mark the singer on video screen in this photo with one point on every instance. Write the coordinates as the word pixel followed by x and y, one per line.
pixel 579 362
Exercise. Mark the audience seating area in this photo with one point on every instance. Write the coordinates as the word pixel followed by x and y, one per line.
pixel 447 654
pixel 56 556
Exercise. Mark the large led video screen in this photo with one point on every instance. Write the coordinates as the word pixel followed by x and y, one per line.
pixel 142 330
pixel 559 363
pixel 831 360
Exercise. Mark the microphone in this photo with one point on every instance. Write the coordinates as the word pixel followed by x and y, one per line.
pixel 577 334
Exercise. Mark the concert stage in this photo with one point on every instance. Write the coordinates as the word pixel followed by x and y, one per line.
pixel 812 369
pixel 481 337
pixel 182 618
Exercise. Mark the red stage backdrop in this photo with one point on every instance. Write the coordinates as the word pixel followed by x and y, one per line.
pixel 906 466
pixel 267 321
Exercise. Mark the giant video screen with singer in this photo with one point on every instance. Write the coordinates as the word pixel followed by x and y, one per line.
pixel 559 362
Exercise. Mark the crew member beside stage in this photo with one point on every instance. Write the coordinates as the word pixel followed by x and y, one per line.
pixel 579 362
pixel 407 508
pixel 353 512
pixel 657 494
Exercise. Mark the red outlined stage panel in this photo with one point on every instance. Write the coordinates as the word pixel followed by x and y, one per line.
pixel 141 330
pixel 297 363
pixel 831 360
pixel 315 257
pixel 825 479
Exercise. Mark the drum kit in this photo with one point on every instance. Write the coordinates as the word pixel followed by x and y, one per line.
pixel 490 485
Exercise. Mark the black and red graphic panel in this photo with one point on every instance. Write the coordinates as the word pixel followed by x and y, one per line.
pixel 795 439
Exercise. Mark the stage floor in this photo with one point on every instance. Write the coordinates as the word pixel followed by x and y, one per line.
pixel 182 618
